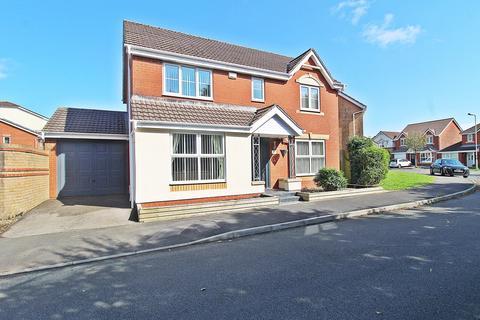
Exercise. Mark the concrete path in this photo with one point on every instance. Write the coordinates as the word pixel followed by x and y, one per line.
pixel 19 253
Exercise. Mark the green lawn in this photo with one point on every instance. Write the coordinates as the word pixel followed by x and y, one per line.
pixel 399 180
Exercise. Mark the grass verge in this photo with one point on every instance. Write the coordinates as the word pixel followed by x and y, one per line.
pixel 398 180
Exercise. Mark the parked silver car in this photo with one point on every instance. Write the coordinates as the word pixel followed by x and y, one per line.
pixel 400 163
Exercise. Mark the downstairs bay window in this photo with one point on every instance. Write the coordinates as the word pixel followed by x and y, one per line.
pixel 198 158
pixel 425 157
pixel 309 157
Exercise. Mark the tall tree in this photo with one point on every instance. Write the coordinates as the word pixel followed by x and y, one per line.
pixel 416 142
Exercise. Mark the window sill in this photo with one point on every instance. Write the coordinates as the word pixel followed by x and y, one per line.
pixel 313 112
pixel 258 183
pixel 166 94
pixel 182 183
pixel 306 175
pixel 258 100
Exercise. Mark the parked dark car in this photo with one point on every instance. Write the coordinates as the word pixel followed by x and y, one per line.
pixel 449 167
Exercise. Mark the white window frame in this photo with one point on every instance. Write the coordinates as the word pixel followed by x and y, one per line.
pixel 426 159
pixel 263 90
pixel 429 139
pixel 309 156
pixel 470 137
pixel 198 155
pixel 309 108
pixel 403 142
pixel 4 138
pixel 197 83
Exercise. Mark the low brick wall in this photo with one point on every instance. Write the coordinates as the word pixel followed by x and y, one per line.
pixel 24 179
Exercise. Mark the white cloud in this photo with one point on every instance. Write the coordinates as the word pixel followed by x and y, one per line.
pixel 384 35
pixel 354 10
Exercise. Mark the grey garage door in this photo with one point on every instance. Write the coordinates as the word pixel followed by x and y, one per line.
pixel 91 167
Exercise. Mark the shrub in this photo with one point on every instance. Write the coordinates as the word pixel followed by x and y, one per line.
pixel 369 165
pixel 330 179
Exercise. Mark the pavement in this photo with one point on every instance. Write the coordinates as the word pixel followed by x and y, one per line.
pixel 413 264
pixel 20 252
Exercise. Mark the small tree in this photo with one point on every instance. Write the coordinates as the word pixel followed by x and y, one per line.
pixel 368 162
pixel 416 142
pixel 330 179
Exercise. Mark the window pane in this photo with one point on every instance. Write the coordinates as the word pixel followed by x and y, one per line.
pixel 178 169
pixel 184 143
pixel 304 97
pixel 204 83
pixel 314 98
pixel 171 78
pixel 191 169
pixel 257 89
pixel 212 144
pixel 188 81
pixel 302 148
pixel 317 164
pixel 212 168
pixel 302 165
pixel 317 148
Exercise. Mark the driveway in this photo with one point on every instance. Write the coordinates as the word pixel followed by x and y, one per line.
pixel 73 213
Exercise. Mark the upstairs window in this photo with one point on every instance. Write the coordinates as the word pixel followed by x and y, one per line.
pixel 187 81
pixel 403 142
pixel 6 139
pixel 258 89
pixel 310 98
pixel 470 137
pixel 429 139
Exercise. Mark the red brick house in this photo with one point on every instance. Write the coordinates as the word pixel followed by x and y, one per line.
pixel 19 125
pixel 464 151
pixel 439 134
pixel 209 120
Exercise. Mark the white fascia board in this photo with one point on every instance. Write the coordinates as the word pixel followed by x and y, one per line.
pixel 191 127
pixel 320 66
pixel 92 136
pixel 276 112
pixel 346 97
pixel 206 63
pixel 400 135
pixel 13 124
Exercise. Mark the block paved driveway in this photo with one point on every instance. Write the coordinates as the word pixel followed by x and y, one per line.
pixel 73 213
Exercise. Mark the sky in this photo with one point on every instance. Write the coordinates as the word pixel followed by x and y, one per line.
pixel 409 61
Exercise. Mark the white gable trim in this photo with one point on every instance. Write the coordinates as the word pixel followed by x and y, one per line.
pixel 275 111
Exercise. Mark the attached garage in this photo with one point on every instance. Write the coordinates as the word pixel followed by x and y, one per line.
pixel 91 167
pixel 88 152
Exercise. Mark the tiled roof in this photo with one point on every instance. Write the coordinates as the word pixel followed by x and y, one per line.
pixel 436 126
pixel 8 104
pixel 391 134
pixel 459 147
pixel 185 44
pixel 406 149
pixel 471 130
pixel 75 120
pixel 195 112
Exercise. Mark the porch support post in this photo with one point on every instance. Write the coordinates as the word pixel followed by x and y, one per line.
pixel 256 174
pixel 291 157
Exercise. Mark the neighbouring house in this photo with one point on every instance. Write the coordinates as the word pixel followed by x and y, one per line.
pixel 464 151
pixel 385 139
pixel 19 125
pixel 206 121
pixel 439 134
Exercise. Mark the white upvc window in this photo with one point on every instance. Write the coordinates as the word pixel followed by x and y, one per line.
pixel 309 157
pixel 6 140
pixel 187 81
pixel 310 98
pixel 403 142
pixel 425 157
pixel 198 158
pixel 470 137
pixel 450 155
pixel 429 139
pixel 258 89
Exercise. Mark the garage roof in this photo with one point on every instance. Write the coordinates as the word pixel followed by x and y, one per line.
pixel 76 120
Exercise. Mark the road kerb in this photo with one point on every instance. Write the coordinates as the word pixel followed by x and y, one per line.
pixel 252 231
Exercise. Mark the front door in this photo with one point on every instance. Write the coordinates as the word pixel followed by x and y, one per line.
pixel 470 159
pixel 265 154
